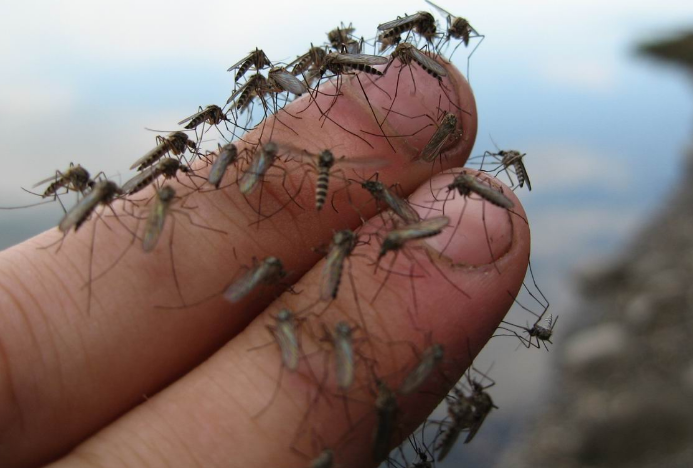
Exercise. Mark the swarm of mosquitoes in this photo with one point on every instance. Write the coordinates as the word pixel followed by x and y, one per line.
pixel 414 40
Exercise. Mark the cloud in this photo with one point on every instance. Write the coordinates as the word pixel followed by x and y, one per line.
pixel 27 98
pixel 557 167
pixel 583 74
pixel 574 231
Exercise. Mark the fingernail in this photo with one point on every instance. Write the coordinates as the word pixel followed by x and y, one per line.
pixel 479 232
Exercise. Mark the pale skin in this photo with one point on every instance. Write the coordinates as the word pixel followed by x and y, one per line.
pixel 131 384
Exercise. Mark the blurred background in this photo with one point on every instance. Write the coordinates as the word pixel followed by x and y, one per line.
pixel 605 130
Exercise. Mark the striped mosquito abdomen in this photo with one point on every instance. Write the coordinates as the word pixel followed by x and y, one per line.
pixel 325 163
pixel 76 178
pixel 168 167
pixel 212 114
pixel 513 158
pixel 196 121
pixel 143 182
pixel 366 69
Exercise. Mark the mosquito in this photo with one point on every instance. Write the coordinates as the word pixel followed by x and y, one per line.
pixel 279 80
pixel 397 204
pixel 468 413
pixel 344 355
pixel 446 132
pixel 396 238
pixel 541 333
pixel 256 85
pixel 407 52
pixel 167 167
pixel 386 407
pixel 176 143
pixel 483 404
pixel 423 23
pixel 256 58
pixel 312 60
pixel 511 159
pixel 339 63
pixel 343 243
pixel 430 359
pixel 466 184
pixel 157 216
pixel 269 271
pixel 103 193
pixel 212 115
pixel 285 335
pixel 324 162
pixel 458 28
pixel 75 178
pixel 259 165
pixel 227 155
pixel 341 40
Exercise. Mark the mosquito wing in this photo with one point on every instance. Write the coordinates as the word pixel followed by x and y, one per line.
pixel 400 206
pixel 53 178
pixel 359 59
pixel 155 225
pixel 81 210
pixel 401 21
pixel 141 178
pixel 474 428
pixel 285 334
pixel 488 193
pixel 227 155
pixel 441 135
pixel 288 82
pixel 241 61
pixel 151 156
pixel 440 10
pixel 238 92
pixel 370 163
pixel 258 167
pixel 427 62
pixel 425 228
pixel 244 285
pixel 188 119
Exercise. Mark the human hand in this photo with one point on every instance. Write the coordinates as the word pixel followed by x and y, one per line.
pixel 132 384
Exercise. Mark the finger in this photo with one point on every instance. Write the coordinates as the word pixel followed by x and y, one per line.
pixel 78 371
pixel 209 417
